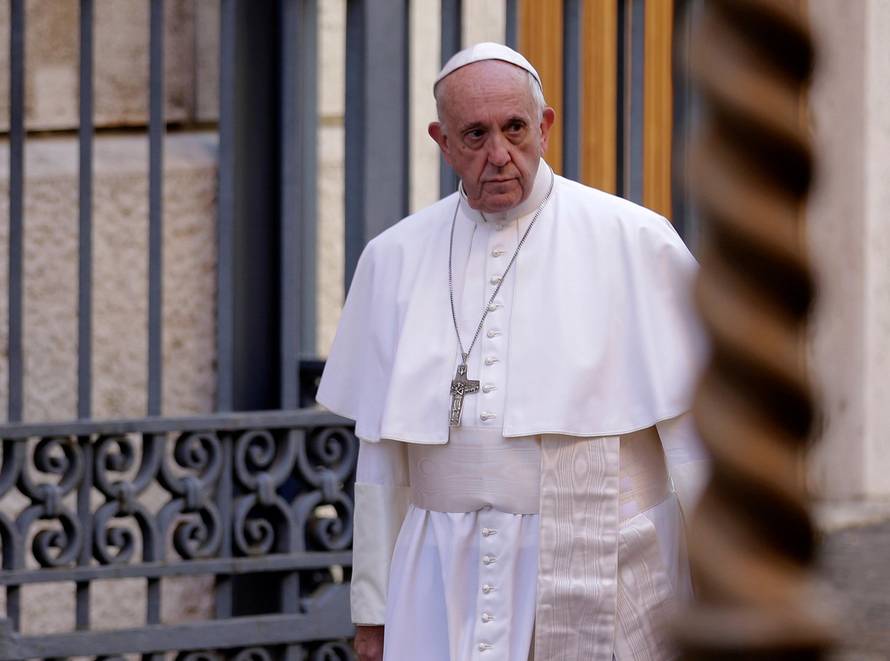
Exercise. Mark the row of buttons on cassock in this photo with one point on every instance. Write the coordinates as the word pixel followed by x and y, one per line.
pixel 492 333
pixel 488 559
pixel 487 588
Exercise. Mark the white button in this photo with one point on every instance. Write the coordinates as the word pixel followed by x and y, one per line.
pixel 487 415
pixel 493 333
pixel 488 560
pixel 483 647
pixel 491 360
pixel 499 227
pixel 488 532
pixel 488 387
pixel 495 280
pixel 487 617
pixel 487 588
pixel 497 252
pixel 493 306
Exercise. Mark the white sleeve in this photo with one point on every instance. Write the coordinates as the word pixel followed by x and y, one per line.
pixel 686 458
pixel 381 501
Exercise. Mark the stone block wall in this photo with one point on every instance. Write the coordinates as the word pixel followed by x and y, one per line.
pixel 120 276
pixel 121 39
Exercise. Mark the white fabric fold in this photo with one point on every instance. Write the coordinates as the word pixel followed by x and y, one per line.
pixel 379 512
pixel 477 468
pixel 646 597
pixel 687 460
pixel 603 339
pixel 577 589
pixel 381 501
pixel 434 601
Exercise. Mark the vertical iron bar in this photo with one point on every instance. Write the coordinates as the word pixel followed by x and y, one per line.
pixel 290 581
pixel 571 103
pixel 290 217
pixel 621 98
pixel 155 207
pixel 298 197
pixel 637 72
pixel 452 15
pixel 85 274
pixel 16 206
pixel 686 113
pixel 355 130
pixel 85 198
pixel 256 226
pixel 512 26
pixel 155 253
pixel 224 500
pixel 225 317
pixel 405 93
pixel 16 238
pixel 257 202
pixel 308 175
pixel 376 97
pixel 85 517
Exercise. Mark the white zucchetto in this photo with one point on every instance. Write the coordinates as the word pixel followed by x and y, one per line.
pixel 486 50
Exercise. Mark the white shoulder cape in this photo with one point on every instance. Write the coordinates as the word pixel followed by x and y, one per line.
pixel 603 336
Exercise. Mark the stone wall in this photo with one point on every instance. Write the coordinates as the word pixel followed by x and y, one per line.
pixel 849 236
pixel 121 36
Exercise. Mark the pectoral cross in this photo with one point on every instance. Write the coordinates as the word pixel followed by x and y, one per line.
pixel 459 387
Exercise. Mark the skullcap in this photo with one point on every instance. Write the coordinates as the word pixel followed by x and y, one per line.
pixel 486 50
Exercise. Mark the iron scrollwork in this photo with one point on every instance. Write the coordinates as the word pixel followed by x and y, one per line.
pixel 53 456
pixel 198 531
pixel 325 462
pixel 141 501
pixel 114 456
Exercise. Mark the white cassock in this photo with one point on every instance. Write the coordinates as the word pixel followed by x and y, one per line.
pixel 549 522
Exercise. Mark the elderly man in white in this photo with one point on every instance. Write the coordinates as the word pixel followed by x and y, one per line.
pixel 518 358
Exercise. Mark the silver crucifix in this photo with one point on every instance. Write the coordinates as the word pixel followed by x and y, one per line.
pixel 459 387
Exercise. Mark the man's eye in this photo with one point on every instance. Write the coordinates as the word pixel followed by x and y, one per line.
pixel 516 127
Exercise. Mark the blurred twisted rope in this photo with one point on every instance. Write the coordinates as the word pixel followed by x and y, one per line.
pixel 752 540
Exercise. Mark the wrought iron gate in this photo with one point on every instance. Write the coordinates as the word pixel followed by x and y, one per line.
pixel 240 494
pixel 259 502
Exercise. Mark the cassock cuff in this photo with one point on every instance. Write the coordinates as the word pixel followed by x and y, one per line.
pixel 687 461
pixel 379 512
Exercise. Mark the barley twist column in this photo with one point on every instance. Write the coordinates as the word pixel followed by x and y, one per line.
pixel 752 540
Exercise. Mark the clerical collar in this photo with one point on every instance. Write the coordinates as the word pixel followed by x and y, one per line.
pixel 539 192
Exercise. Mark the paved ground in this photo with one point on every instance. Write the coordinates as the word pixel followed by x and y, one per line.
pixel 856 562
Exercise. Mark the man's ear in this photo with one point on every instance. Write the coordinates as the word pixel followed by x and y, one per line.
pixel 437 133
pixel 547 119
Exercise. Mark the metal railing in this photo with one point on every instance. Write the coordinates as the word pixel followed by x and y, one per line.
pixel 223 495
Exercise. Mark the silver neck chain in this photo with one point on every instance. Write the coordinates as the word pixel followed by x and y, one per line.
pixel 487 308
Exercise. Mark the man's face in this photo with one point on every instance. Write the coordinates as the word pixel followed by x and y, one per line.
pixel 490 133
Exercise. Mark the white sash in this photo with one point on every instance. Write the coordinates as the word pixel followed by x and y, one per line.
pixel 592 492
pixel 589 493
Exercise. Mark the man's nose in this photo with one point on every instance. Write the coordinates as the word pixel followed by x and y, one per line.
pixel 498 154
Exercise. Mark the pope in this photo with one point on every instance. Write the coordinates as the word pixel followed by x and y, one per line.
pixel 518 359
